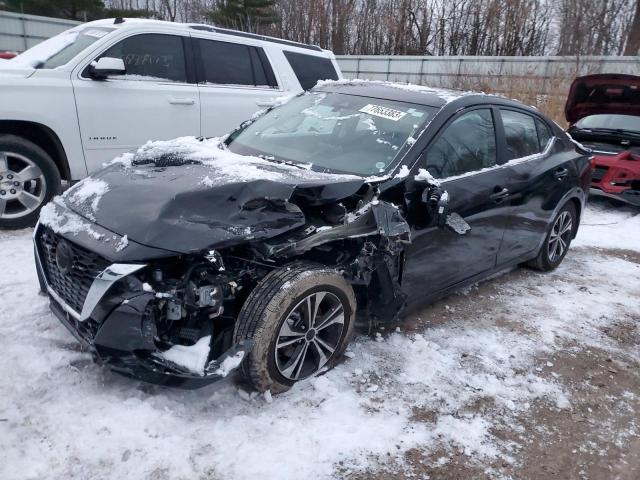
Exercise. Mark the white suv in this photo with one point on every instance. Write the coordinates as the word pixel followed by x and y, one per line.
pixel 103 88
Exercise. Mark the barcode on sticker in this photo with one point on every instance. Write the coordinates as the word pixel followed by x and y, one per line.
pixel 383 112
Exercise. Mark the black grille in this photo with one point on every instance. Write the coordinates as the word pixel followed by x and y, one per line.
pixel 598 173
pixel 73 286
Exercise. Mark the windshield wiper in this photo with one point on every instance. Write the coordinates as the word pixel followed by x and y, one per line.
pixel 271 158
pixel 622 131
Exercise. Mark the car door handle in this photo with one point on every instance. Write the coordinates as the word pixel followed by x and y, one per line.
pixel 265 104
pixel 181 101
pixel 561 173
pixel 500 193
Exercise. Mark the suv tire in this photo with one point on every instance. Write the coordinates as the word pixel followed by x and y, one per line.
pixel 289 344
pixel 28 179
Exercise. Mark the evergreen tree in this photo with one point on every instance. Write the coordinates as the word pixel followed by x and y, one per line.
pixel 70 9
pixel 81 10
pixel 128 13
pixel 246 15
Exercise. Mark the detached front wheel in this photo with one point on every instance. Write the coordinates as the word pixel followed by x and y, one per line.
pixel 301 319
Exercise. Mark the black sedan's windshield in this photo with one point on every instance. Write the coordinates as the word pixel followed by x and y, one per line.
pixel 335 132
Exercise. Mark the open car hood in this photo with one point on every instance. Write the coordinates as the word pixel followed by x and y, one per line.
pixel 194 207
pixel 607 93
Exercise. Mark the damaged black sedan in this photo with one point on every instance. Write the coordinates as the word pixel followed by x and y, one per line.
pixel 350 204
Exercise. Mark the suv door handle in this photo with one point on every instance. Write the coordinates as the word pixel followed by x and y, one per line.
pixel 500 193
pixel 561 173
pixel 181 101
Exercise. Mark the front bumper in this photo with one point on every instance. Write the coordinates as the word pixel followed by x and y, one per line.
pixel 632 197
pixel 114 326
pixel 617 177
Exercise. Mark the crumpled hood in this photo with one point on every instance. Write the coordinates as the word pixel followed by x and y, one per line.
pixel 603 94
pixel 193 207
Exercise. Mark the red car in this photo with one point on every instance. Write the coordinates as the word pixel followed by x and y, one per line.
pixel 7 55
pixel 604 114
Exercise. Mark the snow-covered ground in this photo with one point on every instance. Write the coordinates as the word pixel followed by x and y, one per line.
pixel 465 378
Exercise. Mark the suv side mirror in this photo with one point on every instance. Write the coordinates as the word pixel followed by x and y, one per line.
pixel 106 66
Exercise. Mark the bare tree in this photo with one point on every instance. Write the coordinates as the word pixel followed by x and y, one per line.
pixel 437 27
pixel 632 46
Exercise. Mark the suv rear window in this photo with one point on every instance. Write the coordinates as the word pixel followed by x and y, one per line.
pixel 226 63
pixel 310 68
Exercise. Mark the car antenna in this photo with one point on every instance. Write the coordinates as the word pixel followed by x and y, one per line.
pixel 118 20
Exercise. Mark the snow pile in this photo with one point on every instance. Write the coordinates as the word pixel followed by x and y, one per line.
pixel 122 244
pixel 446 95
pixel 193 358
pixel 424 176
pixel 64 221
pixel 207 182
pixel 403 172
pixel 225 166
pixel 85 196
pixel 229 364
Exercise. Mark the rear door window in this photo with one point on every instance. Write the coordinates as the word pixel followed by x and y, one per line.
pixel 151 57
pixel 226 63
pixel 310 68
pixel 521 134
pixel 468 144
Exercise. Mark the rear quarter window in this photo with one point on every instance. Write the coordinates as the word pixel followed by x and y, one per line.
pixel 310 68
pixel 521 134
pixel 544 134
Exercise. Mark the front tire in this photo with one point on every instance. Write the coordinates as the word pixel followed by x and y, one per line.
pixel 301 319
pixel 29 178
pixel 558 239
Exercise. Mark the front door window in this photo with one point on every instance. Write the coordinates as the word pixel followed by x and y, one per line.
pixel 468 144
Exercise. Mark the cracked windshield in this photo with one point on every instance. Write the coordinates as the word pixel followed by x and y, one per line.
pixel 335 132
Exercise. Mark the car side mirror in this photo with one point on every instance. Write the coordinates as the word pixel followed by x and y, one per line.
pixel 437 201
pixel 106 66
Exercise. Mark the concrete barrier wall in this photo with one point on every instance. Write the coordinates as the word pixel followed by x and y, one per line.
pixel 455 72
pixel 19 32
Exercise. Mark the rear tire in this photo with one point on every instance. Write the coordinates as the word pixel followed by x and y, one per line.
pixel 289 343
pixel 559 237
pixel 29 178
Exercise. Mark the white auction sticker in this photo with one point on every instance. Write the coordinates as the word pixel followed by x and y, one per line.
pixel 383 112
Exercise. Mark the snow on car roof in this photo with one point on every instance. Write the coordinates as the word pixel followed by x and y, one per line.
pixel 431 96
